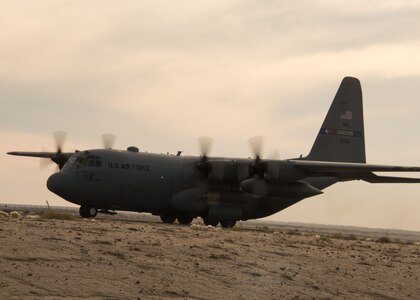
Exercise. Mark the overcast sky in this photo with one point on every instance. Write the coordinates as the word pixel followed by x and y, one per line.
pixel 159 74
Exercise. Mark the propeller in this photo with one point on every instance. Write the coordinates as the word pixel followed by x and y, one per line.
pixel 60 137
pixel 267 169
pixel 108 140
pixel 45 162
pixel 58 157
pixel 256 185
pixel 203 165
pixel 256 144
pixel 205 143
pixel 258 167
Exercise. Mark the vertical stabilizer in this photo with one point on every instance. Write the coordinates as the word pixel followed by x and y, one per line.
pixel 341 137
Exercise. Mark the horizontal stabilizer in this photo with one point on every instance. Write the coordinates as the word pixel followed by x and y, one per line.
pixel 373 178
pixel 314 167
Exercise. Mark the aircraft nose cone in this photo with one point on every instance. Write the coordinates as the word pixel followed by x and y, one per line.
pixel 56 183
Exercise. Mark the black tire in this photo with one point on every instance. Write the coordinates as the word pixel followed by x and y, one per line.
pixel 82 211
pixel 185 220
pixel 228 224
pixel 211 222
pixel 168 219
pixel 87 211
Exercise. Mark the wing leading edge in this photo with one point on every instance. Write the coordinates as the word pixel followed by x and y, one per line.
pixel 60 158
pixel 33 154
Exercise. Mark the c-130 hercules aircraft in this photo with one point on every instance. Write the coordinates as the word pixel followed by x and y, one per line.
pixel 217 189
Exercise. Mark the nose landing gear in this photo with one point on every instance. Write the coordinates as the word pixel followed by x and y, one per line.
pixel 87 211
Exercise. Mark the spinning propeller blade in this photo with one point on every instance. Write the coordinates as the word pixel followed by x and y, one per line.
pixel 59 138
pixel 108 140
pixel 205 144
pixel 256 144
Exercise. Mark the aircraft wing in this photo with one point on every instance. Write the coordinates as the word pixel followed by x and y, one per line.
pixel 358 171
pixel 50 155
pixel 60 158
pixel 33 154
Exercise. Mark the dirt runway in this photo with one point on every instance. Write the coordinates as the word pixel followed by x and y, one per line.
pixel 108 259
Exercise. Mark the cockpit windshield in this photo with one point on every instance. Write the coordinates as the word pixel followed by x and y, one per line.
pixel 84 159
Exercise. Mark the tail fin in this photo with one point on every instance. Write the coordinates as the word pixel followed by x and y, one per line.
pixel 341 137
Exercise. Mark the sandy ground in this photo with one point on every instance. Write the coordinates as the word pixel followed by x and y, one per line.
pixel 109 259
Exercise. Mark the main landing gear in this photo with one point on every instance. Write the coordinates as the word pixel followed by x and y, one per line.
pixel 211 222
pixel 87 211
pixel 168 218
pixel 228 224
pixel 214 223
pixel 182 219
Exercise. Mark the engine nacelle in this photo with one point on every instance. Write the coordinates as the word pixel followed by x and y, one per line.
pixel 191 201
pixel 294 190
pixel 284 171
pixel 257 187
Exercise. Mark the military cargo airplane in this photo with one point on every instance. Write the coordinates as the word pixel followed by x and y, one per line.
pixel 217 189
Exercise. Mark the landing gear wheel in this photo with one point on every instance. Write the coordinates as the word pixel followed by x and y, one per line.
pixel 227 224
pixel 184 220
pixel 211 222
pixel 87 211
pixel 167 218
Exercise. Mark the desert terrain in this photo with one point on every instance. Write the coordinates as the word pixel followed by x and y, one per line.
pixel 60 256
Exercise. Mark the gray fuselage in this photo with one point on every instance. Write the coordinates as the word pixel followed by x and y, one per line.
pixel 146 182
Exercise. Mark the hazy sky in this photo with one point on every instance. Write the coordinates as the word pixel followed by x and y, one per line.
pixel 159 74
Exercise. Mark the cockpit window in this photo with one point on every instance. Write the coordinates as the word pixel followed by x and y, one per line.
pixel 86 160
pixel 94 161
pixel 70 162
pixel 81 160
